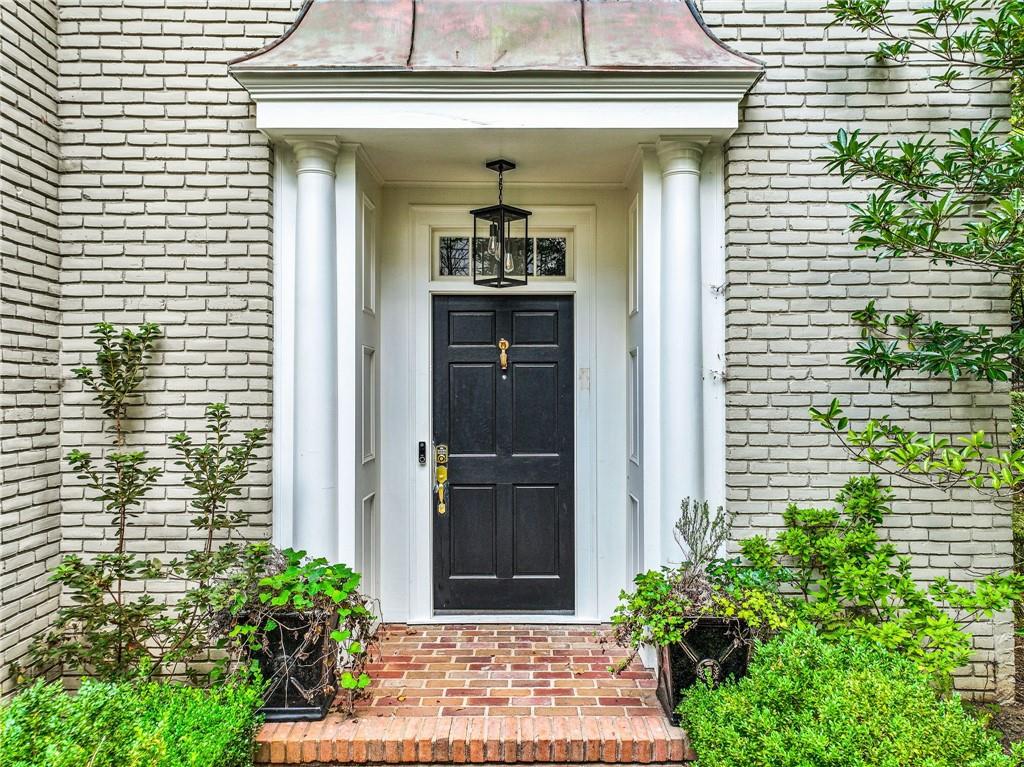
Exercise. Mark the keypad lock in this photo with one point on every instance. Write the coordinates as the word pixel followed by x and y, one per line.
pixel 441 477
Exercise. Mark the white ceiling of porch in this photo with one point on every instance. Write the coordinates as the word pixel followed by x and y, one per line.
pixel 542 156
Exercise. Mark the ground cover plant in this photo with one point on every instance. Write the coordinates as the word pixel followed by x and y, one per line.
pixel 845 702
pixel 130 724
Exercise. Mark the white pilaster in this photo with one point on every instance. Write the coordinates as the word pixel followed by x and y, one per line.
pixel 682 469
pixel 315 451
pixel 713 279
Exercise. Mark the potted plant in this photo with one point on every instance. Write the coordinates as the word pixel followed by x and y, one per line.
pixel 701 615
pixel 305 627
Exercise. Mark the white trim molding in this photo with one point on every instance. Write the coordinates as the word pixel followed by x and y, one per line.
pixel 284 346
pixel 423 221
pixel 704 104
pixel 286 85
pixel 713 296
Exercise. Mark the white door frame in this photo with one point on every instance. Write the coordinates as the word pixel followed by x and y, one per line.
pixel 581 219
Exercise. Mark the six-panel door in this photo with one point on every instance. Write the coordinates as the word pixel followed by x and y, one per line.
pixel 505 542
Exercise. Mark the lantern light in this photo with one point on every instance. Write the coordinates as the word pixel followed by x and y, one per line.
pixel 500 258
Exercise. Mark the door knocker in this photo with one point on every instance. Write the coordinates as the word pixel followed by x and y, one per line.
pixel 503 358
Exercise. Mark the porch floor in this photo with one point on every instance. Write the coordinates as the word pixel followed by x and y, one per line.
pixel 490 694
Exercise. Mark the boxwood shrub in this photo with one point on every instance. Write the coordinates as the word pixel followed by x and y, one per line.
pixel 844 703
pixel 130 725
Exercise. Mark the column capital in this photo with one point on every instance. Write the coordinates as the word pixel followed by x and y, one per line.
pixel 314 154
pixel 680 155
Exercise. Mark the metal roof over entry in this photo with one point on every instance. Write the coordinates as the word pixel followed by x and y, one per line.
pixel 498 36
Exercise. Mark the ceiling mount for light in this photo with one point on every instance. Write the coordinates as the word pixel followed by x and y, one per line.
pixel 500 166
pixel 499 259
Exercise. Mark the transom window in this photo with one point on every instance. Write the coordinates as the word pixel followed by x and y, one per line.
pixel 549 255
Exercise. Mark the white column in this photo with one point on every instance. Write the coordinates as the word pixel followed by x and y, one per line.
pixel 315 451
pixel 682 467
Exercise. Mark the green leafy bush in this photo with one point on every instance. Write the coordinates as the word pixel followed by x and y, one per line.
pixel 847 580
pixel 113 628
pixel 130 725
pixel 956 201
pixel 664 604
pixel 848 703
pixel 306 598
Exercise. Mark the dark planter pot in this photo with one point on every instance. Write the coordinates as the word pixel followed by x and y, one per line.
pixel 298 664
pixel 714 649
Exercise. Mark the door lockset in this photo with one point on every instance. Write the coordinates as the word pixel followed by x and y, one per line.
pixel 441 485
pixel 441 477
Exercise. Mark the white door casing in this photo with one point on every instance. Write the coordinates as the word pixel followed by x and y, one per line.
pixel 634 502
pixel 424 220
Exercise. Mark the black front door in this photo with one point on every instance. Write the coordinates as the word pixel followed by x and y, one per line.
pixel 505 540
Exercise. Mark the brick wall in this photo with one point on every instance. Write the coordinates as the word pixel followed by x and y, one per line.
pixel 166 195
pixel 165 216
pixel 794 278
pixel 29 324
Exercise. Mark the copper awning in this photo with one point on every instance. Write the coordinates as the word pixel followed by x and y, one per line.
pixel 498 36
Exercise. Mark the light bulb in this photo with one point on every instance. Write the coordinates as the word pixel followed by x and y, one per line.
pixel 492 241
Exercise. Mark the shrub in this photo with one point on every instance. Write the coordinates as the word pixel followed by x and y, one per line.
pixel 130 725
pixel 849 581
pixel 305 599
pixel 113 628
pixel 844 703
pixel 664 604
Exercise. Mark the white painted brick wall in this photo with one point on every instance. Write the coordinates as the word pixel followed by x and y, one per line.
pixel 29 325
pixel 166 194
pixel 794 278
pixel 165 216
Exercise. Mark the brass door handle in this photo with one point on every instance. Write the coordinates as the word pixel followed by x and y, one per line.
pixel 441 486
pixel 441 477
pixel 503 357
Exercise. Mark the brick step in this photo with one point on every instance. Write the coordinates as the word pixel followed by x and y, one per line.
pixel 474 740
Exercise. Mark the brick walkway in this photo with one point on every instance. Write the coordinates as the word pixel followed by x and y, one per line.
pixel 490 694
pixel 505 671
